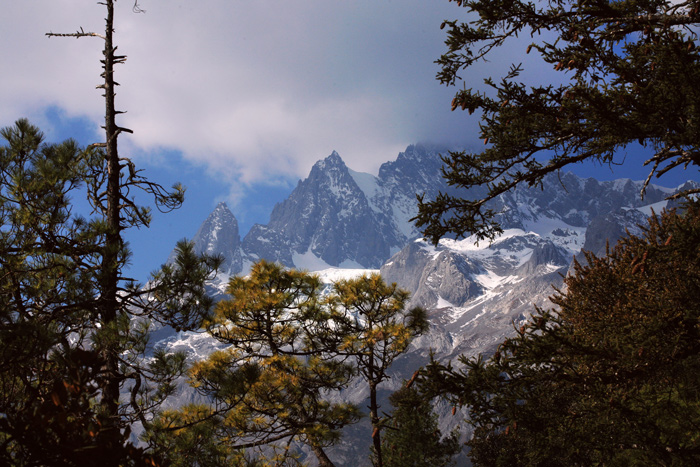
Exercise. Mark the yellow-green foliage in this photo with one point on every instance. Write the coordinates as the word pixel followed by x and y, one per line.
pixel 376 328
pixel 289 346
pixel 259 312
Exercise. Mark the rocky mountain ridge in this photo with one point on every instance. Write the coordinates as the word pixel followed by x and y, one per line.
pixel 337 217
pixel 344 218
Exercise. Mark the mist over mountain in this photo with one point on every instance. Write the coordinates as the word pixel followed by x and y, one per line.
pixel 340 223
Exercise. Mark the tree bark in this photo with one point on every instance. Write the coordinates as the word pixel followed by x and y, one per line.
pixel 323 460
pixel 109 279
pixel 376 428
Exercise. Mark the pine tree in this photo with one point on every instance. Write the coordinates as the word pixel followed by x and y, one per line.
pixel 270 384
pixel 44 290
pixel 625 74
pixel 288 347
pixel 413 438
pixel 63 284
pixel 611 377
pixel 375 328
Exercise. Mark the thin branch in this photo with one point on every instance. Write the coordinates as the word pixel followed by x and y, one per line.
pixel 77 34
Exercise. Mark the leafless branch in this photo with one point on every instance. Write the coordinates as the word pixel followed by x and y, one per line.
pixel 76 34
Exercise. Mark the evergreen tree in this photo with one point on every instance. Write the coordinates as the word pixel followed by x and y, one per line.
pixel 288 347
pixel 626 78
pixel 46 294
pixel 413 438
pixel 611 377
pixel 269 384
pixel 74 328
pixel 375 328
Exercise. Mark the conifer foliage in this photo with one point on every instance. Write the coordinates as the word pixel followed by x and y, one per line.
pixel 611 378
pixel 605 78
pixel 289 345
pixel 272 378
pixel 375 329
pixel 73 327
pixel 412 437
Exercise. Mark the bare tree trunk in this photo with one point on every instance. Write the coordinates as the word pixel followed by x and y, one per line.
pixel 323 460
pixel 376 428
pixel 109 282
pixel 108 306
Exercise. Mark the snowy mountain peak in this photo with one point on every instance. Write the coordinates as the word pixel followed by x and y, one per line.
pixel 221 219
pixel 334 161
pixel 222 209
pixel 219 235
pixel 326 220
pixel 338 217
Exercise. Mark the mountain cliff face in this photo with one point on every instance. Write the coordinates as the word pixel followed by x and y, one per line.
pixel 218 235
pixel 345 218
pixel 572 200
pixel 323 209
pixel 475 293
pixel 336 217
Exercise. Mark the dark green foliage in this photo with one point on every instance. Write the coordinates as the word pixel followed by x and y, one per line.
pixel 412 437
pixel 629 74
pixel 53 420
pixel 612 378
pixel 44 293
pixel 609 379
pixel 73 327
pixel 52 331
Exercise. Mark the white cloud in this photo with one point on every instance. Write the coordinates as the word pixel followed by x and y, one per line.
pixel 252 89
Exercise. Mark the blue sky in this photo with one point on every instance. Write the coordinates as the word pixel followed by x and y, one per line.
pixel 237 99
